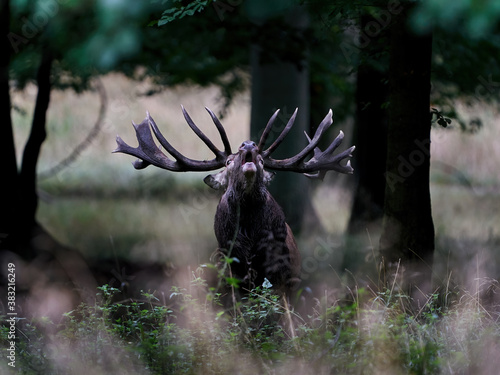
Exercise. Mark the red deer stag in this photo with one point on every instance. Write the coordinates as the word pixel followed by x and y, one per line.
pixel 249 225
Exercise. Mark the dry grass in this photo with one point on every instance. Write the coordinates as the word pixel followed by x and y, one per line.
pixel 473 157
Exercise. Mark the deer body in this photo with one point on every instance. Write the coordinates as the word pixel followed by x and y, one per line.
pixel 249 224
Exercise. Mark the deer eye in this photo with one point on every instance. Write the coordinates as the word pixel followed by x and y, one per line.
pixel 229 161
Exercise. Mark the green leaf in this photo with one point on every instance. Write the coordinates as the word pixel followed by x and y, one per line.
pixel 232 281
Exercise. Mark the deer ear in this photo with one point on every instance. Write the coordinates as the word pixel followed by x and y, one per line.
pixel 217 181
pixel 268 176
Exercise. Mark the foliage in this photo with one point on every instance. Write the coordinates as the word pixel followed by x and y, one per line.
pixel 437 116
pixel 370 332
pixel 476 18
pixel 85 38
pixel 178 10
pixel 88 39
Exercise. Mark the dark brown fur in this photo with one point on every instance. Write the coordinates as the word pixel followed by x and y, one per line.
pixel 250 225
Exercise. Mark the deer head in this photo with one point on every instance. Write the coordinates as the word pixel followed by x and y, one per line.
pixel 249 224
pixel 244 171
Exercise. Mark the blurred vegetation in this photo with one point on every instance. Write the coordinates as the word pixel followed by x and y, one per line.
pixel 365 332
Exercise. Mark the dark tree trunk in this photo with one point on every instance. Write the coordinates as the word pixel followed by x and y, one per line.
pixel 370 138
pixel 281 80
pixel 9 186
pixel 407 241
pixel 34 144
pixel 18 198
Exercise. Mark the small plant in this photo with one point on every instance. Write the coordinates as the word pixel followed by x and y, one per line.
pixel 259 321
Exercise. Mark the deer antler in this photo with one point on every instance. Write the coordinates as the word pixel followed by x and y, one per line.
pixel 320 163
pixel 148 153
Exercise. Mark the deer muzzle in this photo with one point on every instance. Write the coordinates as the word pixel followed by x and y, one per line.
pixel 249 154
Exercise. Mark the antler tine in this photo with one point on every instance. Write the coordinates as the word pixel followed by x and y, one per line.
pixel 171 150
pixel 126 149
pixel 201 135
pixel 222 132
pixel 321 161
pixel 267 130
pixel 336 142
pixel 325 124
pixel 149 153
pixel 282 136
pixel 333 163
pixel 320 175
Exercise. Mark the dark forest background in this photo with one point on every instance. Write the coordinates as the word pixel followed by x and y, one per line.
pixel 413 84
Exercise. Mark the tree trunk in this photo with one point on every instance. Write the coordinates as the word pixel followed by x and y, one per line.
pixel 9 197
pixel 407 241
pixel 33 146
pixel 370 138
pixel 280 83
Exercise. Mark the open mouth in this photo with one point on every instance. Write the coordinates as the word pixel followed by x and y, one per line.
pixel 248 164
pixel 248 158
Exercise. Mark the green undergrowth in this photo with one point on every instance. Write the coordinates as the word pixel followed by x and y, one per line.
pixel 190 332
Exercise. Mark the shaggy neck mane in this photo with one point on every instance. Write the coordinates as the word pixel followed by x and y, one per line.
pixel 238 192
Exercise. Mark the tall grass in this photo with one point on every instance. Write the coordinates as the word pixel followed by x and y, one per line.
pixel 362 332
